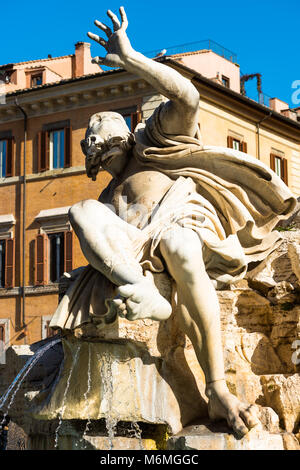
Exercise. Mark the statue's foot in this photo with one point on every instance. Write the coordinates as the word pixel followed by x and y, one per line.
pixel 143 300
pixel 222 404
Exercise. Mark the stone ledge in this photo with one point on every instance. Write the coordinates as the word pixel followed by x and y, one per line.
pixel 216 436
pixel 30 290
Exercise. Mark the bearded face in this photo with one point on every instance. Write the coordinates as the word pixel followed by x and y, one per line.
pixel 107 144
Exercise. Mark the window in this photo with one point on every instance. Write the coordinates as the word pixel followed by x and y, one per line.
pixel 53 256
pixel 57 149
pixel 237 144
pixel 36 79
pixel 131 115
pixel 3 150
pixel 6 158
pixel 2 263
pixel 56 256
pixel 54 149
pixel 279 165
pixel 6 263
pixel 225 81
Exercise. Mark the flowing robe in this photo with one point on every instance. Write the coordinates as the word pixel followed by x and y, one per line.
pixel 230 199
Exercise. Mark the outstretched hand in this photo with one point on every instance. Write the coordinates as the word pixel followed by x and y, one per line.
pixel 117 44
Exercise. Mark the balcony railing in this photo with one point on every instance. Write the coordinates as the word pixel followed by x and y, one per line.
pixel 206 44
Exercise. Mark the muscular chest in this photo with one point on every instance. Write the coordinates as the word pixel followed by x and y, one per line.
pixel 138 195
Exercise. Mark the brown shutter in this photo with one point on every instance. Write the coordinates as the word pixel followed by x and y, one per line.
pixel 284 170
pixel 49 331
pixel 68 147
pixel 68 255
pixel 2 333
pixel 9 263
pixel 230 142
pixel 244 147
pixel 43 151
pixel 41 260
pixel 10 157
pixel 272 161
pixel 135 119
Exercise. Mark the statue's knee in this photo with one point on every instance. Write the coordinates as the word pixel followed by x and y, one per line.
pixel 78 212
pixel 181 246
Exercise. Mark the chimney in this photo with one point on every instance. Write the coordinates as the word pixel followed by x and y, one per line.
pixel 82 59
pixel 278 105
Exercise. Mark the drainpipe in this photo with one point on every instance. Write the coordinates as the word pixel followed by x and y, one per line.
pixel 258 124
pixel 24 217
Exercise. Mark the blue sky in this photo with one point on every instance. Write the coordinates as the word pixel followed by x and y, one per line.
pixel 264 34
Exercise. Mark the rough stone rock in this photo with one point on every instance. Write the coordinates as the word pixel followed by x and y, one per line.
pixel 269 419
pixel 294 254
pixel 282 393
pixel 215 437
pixel 277 267
pixel 290 441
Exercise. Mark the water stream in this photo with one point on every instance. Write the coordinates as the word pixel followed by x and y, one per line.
pixel 62 410
pixel 108 389
pixel 134 425
pixel 89 383
pixel 20 377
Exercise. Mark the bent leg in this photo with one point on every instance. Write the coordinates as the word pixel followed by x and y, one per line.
pixel 107 242
pixel 199 317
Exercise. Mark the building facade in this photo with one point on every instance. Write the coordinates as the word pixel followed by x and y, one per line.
pixel 42 169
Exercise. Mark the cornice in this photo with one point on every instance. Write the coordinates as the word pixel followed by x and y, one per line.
pixel 74 95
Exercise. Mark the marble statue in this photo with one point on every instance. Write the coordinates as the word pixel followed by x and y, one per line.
pixel 200 213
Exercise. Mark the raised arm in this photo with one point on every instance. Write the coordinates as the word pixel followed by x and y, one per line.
pixel 180 114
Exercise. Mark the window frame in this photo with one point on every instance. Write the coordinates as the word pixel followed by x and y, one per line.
pixel 9 155
pixel 44 159
pixel 51 149
pixel 283 166
pixel 42 256
pixel 56 235
pixel 226 80
pixel 3 157
pixel 243 144
pixel 34 76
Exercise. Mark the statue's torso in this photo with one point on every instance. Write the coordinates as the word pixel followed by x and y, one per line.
pixel 137 194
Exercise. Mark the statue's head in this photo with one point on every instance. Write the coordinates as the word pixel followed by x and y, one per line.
pixel 107 143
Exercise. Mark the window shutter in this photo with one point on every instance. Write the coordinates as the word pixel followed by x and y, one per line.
pixel 9 263
pixel 49 331
pixel 272 161
pixel 41 260
pixel 135 119
pixel 230 142
pixel 284 169
pixel 68 147
pixel 43 151
pixel 68 255
pixel 244 147
pixel 10 157
pixel 2 333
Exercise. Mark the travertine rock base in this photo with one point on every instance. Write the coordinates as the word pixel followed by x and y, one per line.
pixel 216 437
